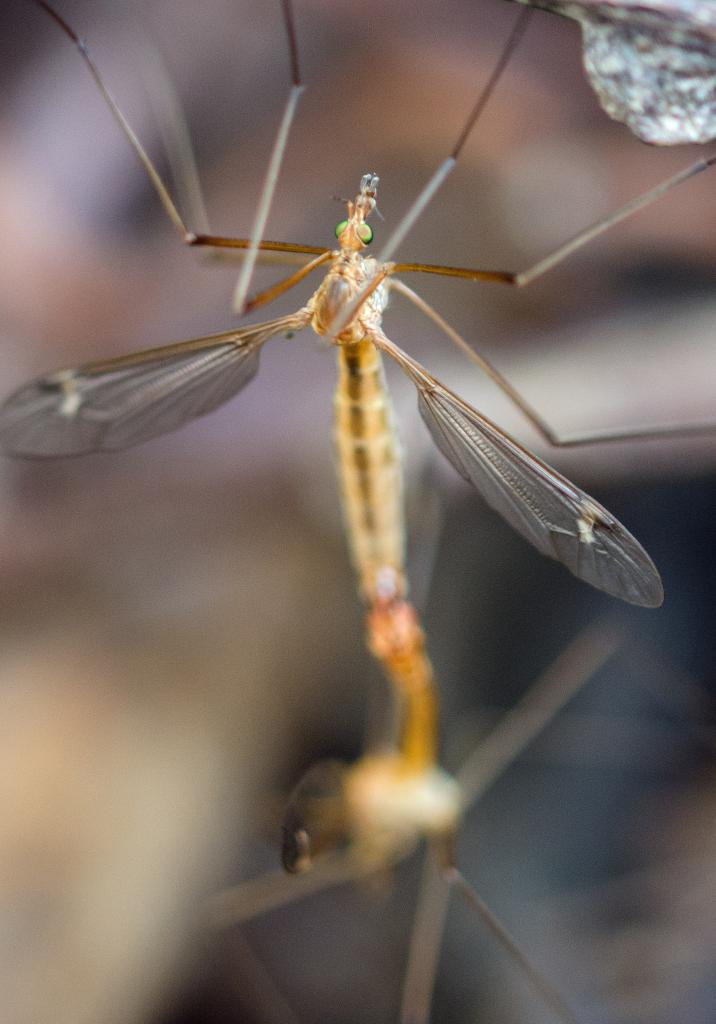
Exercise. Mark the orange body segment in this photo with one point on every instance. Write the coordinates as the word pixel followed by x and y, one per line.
pixel 371 486
pixel 398 642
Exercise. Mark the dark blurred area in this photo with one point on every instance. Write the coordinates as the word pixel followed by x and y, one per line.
pixel 180 633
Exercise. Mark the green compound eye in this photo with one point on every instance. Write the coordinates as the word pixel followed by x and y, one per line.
pixel 365 233
pixel 340 228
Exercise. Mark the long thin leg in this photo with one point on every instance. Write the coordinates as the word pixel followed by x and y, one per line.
pixel 187 235
pixel 425 943
pixel 445 168
pixel 222 242
pixel 447 165
pixel 574 667
pixel 525 277
pixel 287 282
pixel 250 974
pixel 546 989
pixel 541 425
pixel 274 166
pixel 174 131
pixel 277 889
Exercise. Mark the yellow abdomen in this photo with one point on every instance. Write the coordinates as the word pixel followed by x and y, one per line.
pixel 368 465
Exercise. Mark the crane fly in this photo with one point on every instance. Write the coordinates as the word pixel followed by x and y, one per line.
pixel 359 820
pixel 384 801
pixel 115 403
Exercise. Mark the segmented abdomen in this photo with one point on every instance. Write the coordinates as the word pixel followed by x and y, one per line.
pixel 369 467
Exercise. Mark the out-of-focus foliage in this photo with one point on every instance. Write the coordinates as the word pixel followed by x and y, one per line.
pixel 652 63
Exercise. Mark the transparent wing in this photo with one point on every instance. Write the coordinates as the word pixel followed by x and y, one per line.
pixel 558 518
pixel 549 511
pixel 104 406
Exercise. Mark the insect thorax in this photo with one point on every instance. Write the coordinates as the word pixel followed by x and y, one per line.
pixel 390 807
pixel 350 274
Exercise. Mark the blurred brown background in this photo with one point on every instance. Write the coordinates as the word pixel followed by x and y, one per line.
pixel 180 632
